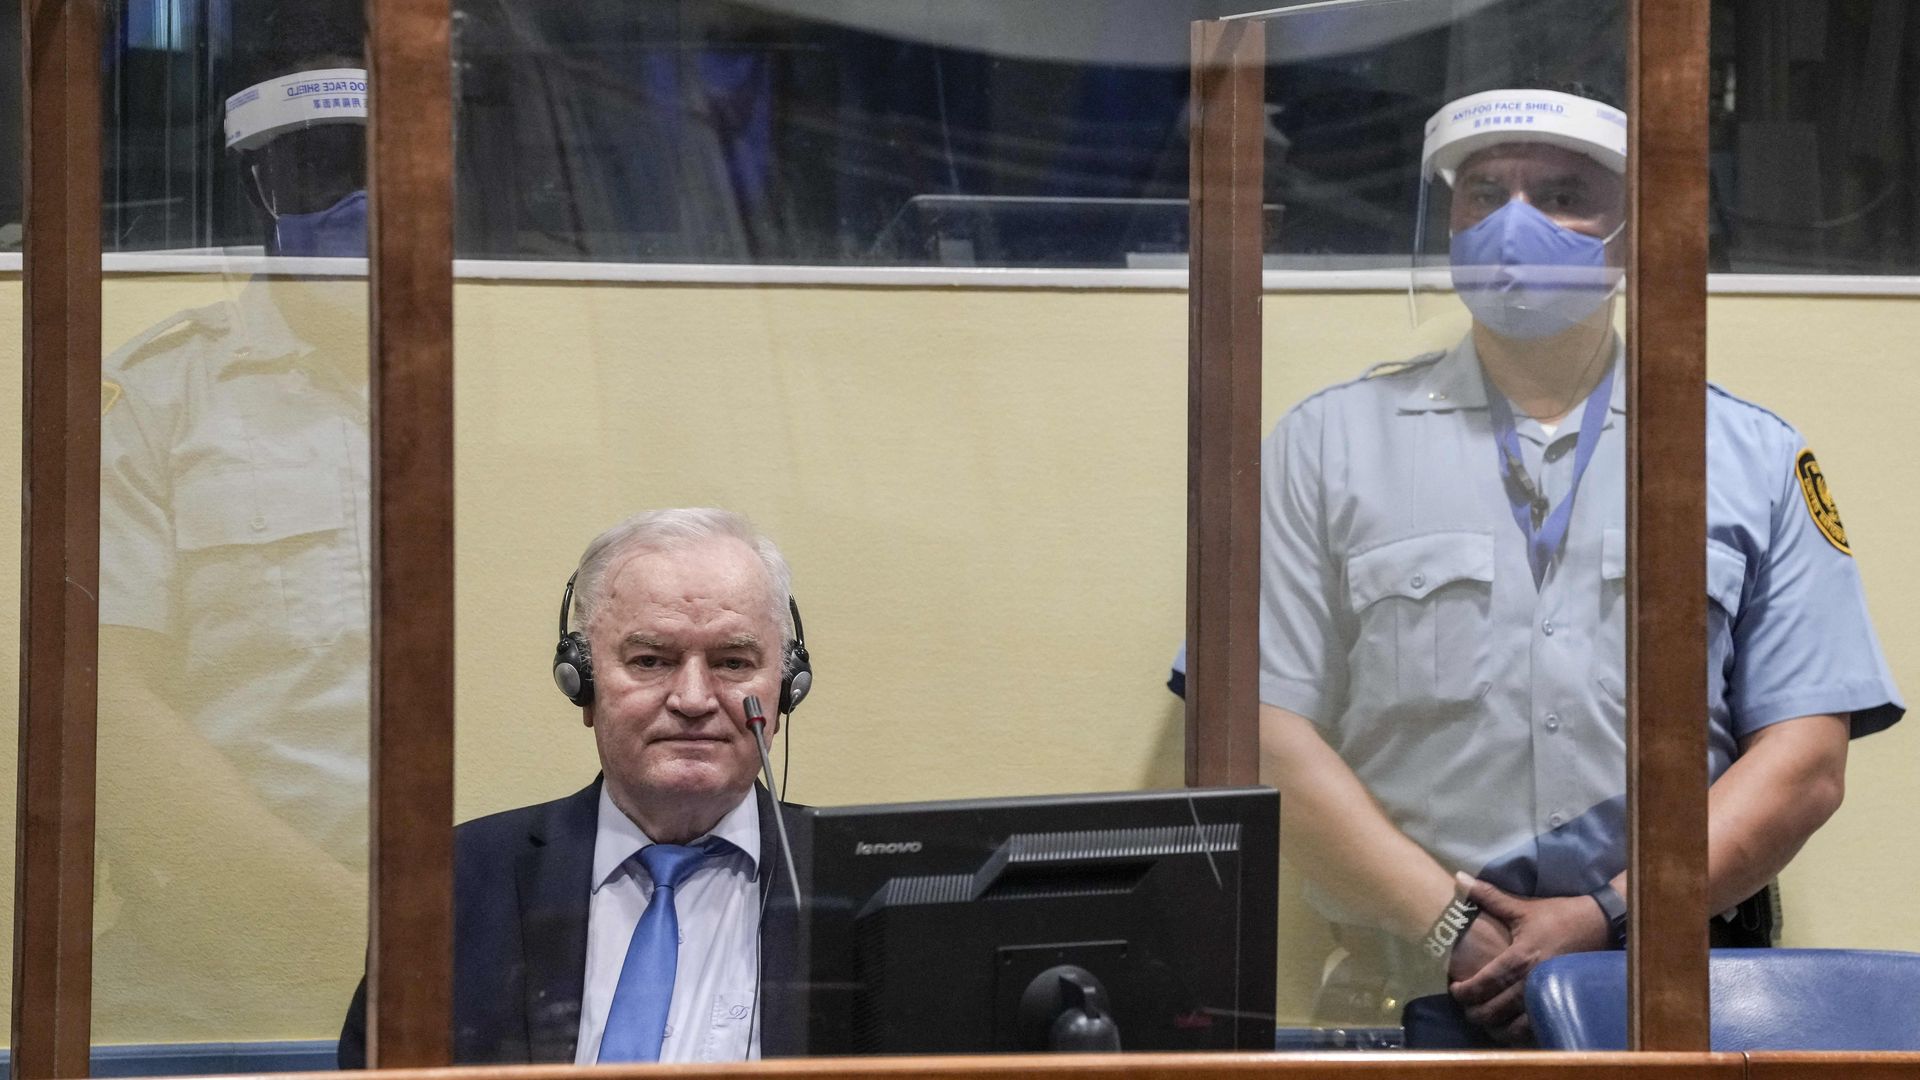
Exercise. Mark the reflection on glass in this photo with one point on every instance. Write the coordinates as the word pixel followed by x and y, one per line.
pixel 1794 189
pixel 234 639
pixel 994 134
pixel 1000 133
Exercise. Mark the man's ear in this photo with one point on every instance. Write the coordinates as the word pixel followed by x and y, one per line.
pixel 586 715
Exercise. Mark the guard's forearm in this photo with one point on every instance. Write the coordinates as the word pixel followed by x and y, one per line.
pixel 1786 783
pixel 1336 833
pixel 146 746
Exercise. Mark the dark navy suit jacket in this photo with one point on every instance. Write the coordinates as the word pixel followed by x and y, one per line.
pixel 521 882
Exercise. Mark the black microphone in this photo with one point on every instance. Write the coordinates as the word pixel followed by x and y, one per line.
pixel 757 720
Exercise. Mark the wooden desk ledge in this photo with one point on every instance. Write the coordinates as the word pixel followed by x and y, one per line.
pixel 1383 1065
pixel 1780 1065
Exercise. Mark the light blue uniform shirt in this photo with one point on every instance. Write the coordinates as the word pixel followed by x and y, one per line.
pixel 235 520
pixel 1399 614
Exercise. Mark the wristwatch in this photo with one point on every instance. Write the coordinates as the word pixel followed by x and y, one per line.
pixel 1614 907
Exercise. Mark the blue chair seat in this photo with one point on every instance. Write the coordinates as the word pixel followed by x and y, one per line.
pixel 1763 999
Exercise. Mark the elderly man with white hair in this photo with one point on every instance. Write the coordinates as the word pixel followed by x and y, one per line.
pixel 629 921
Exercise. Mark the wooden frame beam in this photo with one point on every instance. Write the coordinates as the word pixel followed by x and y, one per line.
pixel 1223 403
pixel 1667 526
pixel 410 158
pixel 60 541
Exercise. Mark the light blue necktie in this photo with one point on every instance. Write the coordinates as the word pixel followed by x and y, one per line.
pixel 637 1019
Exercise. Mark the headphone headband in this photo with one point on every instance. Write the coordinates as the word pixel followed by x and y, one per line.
pixel 566 601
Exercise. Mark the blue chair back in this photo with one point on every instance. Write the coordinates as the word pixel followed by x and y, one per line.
pixel 1763 999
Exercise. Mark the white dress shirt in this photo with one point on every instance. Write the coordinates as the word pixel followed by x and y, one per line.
pixel 712 1015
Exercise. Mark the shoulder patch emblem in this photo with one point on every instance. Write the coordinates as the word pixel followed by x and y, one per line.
pixel 1826 516
pixel 110 394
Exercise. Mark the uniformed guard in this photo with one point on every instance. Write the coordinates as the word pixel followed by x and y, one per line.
pixel 235 547
pixel 1443 570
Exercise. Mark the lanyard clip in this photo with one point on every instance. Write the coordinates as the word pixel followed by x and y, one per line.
pixel 1517 475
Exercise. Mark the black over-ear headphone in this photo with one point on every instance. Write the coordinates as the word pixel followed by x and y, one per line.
pixel 797 668
pixel 573 660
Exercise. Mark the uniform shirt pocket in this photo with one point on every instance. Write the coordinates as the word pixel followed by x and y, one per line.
pixel 1726 578
pixel 1422 607
pixel 268 553
pixel 1610 642
pixel 1726 585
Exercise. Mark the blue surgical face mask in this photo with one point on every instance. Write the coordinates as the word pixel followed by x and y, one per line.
pixel 339 230
pixel 1525 276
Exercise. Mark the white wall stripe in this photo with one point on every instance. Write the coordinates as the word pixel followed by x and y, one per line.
pixel 920 277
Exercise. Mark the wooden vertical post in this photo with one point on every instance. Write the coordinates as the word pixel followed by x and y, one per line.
pixel 60 541
pixel 1667 526
pixel 410 157
pixel 1223 402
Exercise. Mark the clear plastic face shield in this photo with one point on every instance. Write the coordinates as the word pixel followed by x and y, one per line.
pixel 301 139
pixel 1522 211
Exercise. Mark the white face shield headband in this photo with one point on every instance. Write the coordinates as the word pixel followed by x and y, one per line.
pixel 1475 122
pixel 291 102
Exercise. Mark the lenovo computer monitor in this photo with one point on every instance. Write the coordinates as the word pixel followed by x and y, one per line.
pixel 1131 921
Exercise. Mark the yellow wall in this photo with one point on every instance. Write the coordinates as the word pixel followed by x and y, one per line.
pixel 1843 372
pixel 982 492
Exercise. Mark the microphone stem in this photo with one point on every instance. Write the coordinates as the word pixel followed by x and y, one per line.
pixel 779 819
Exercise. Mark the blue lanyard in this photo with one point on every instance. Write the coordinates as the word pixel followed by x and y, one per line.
pixel 1545 531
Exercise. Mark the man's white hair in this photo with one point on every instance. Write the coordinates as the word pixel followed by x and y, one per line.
pixel 676 530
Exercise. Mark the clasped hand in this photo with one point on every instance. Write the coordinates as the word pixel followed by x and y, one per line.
pixel 1487 974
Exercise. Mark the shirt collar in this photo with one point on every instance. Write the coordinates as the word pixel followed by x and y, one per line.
pixel 617 838
pixel 1454 381
pixel 1449 383
pixel 258 333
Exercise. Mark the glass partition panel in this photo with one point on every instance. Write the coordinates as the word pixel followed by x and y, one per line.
pixel 969 133
pixel 978 488
pixel 1811 608
pixel 1803 184
pixel 232 827
pixel 1005 135
pixel 1443 562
